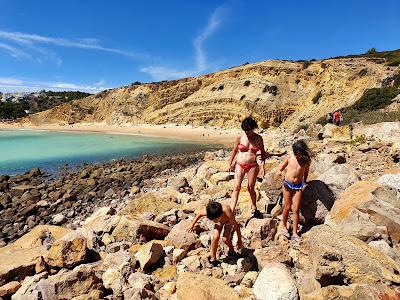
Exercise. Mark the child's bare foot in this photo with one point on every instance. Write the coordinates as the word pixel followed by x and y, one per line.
pixel 296 238
pixel 283 231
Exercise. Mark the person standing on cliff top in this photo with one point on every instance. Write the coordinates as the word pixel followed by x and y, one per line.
pixel 246 147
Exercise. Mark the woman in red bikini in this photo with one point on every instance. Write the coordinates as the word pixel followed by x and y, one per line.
pixel 246 147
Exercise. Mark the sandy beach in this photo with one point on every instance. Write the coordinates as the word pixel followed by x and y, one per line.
pixel 192 133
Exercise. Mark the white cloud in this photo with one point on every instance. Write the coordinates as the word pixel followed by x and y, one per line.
pixel 9 84
pixel 101 82
pixel 31 41
pixel 200 64
pixel 212 26
pixel 10 81
pixel 14 52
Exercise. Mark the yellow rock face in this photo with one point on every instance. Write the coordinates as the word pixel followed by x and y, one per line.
pixel 272 91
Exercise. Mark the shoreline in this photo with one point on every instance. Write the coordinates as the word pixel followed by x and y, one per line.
pixel 183 132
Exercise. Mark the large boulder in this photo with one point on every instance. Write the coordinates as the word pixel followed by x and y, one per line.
pixel 330 257
pixel 67 253
pixel 9 288
pixel 118 266
pixel 275 283
pixel 338 178
pixel 149 254
pixel 181 238
pixel 261 231
pixel 18 260
pixel 367 211
pixel 195 286
pixel 141 286
pixel 178 182
pixel 272 254
pixel 131 229
pixel 64 285
pixel 391 180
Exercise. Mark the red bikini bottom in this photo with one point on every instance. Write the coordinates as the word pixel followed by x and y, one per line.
pixel 247 167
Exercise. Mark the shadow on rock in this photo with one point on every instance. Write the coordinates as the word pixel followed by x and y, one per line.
pixel 317 201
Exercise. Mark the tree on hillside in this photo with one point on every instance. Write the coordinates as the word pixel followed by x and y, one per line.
pixel 372 51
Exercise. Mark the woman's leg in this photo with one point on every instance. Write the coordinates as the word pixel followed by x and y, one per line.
pixel 287 203
pixel 239 175
pixel 252 177
pixel 295 209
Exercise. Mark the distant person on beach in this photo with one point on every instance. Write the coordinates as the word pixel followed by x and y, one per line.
pixel 337 117
pixel 223 218
pixel 329 118
pixel 246 147
pixel 297 166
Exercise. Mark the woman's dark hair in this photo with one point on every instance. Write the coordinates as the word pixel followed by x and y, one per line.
pixel 249 124
pixel 301 149
pixel 214 210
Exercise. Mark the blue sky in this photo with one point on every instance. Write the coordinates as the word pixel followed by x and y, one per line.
pixel 92 45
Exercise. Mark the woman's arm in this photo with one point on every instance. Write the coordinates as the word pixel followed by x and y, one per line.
pixel 195 220
pixel 233 153
pixel 264 154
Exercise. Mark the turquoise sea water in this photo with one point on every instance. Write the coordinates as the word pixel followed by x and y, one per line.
pixel 22 150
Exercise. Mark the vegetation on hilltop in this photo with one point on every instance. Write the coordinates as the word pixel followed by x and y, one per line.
pixel 392 58
pixel 34 103
pixel 12 110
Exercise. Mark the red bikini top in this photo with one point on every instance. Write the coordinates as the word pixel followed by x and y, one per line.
pixel 244 148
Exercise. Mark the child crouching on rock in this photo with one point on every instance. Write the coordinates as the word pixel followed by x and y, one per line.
pixel 223 218
pixel 295 180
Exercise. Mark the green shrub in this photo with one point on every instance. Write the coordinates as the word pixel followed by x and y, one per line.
pixel 359 139
pixel 316 98
pixel 376 98
pixel 372 51
pixel 10 110
pixel 273 89
pixel 362 73
pixel 247 83
pixel 396 82
pixel 306 64
pixel 394 63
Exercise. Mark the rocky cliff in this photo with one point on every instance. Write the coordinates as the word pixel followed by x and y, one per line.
pixel 275 92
